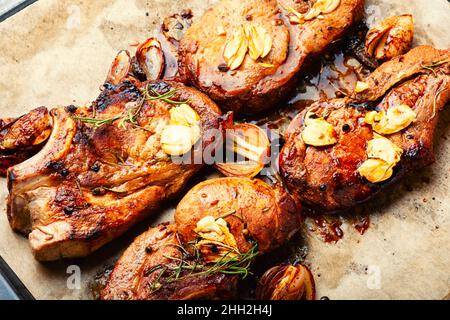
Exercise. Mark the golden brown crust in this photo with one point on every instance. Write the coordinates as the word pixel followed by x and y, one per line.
pixel 89 185
pixel 326 178
pixel 133 277
pixel 254 210
pixel 253 88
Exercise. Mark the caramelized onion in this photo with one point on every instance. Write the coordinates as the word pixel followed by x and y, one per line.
pixel 251 144
pixel 286 282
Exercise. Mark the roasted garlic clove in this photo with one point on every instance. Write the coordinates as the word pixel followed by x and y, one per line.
pixel 216 240
pixel 361 86
pixel 395 119
pixel 151 59
pixel 376 170
pixel 327 6
pixel 382 148
pixel 182 132
pixel 176 140
pixel 383 156
pixel 251 144
pixel 393 37
pixel 318 132
pixel 286 282
pixel 120 68
pixel 236 49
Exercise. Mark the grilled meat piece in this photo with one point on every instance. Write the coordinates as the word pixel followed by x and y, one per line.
pixel 254 210
pixel 93 180
pixel 256 85
pixel 327 178
pixel 139 273
pixel 23 137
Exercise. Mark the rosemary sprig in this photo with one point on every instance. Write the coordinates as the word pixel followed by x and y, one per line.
pixel 98 122
pixel 436 97
pixel 431 67
pixel 151 95
pixel 237 265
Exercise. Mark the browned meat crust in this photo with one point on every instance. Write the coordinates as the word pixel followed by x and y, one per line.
pixel 255 211
pixel 89 185
pixel 254 87
pixel 326 178
pixel 135 278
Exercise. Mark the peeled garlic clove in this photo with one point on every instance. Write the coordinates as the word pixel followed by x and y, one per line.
pixel 384 149
pixel 120 68
pixel 184 115
pixel 311 14
pixel 361 86
pixel 176 140
pixel 151 59
pixel 246 141
pixel 236 49
pixel 393 37
pixel 396 119
pixel 319 133
pixel 376 170
pixel 286 282
pixel 327 6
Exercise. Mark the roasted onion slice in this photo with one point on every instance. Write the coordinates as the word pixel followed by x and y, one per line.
pixel 250 148
pixel 286 282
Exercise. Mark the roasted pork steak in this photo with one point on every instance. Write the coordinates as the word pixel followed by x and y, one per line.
pixel 336 176
pixel 214 56
pixel 196 258
pixel 103 168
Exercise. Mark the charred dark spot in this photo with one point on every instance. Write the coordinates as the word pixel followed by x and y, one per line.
pixel 98 191
pixel 93 234
pixel 346 128
pixel 214 249
pixel 186 14
pixel 11 178
pixel 323 187
pixel 223 67
pixel 179 26
pixel 55 165
pixel 71 108
pixel 64 173
pixel 160 87
pixel 68 211
pixel 112 94
pixel 413 152
pixel 148 249
pixel 409 136
pixel 364 106
pixel 249 17
pixel 80 137
pixel 95 167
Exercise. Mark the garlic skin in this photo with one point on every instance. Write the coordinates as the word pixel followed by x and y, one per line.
pixel 120 68
pixel 150 58
pixel 286 282
pixel 392 38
